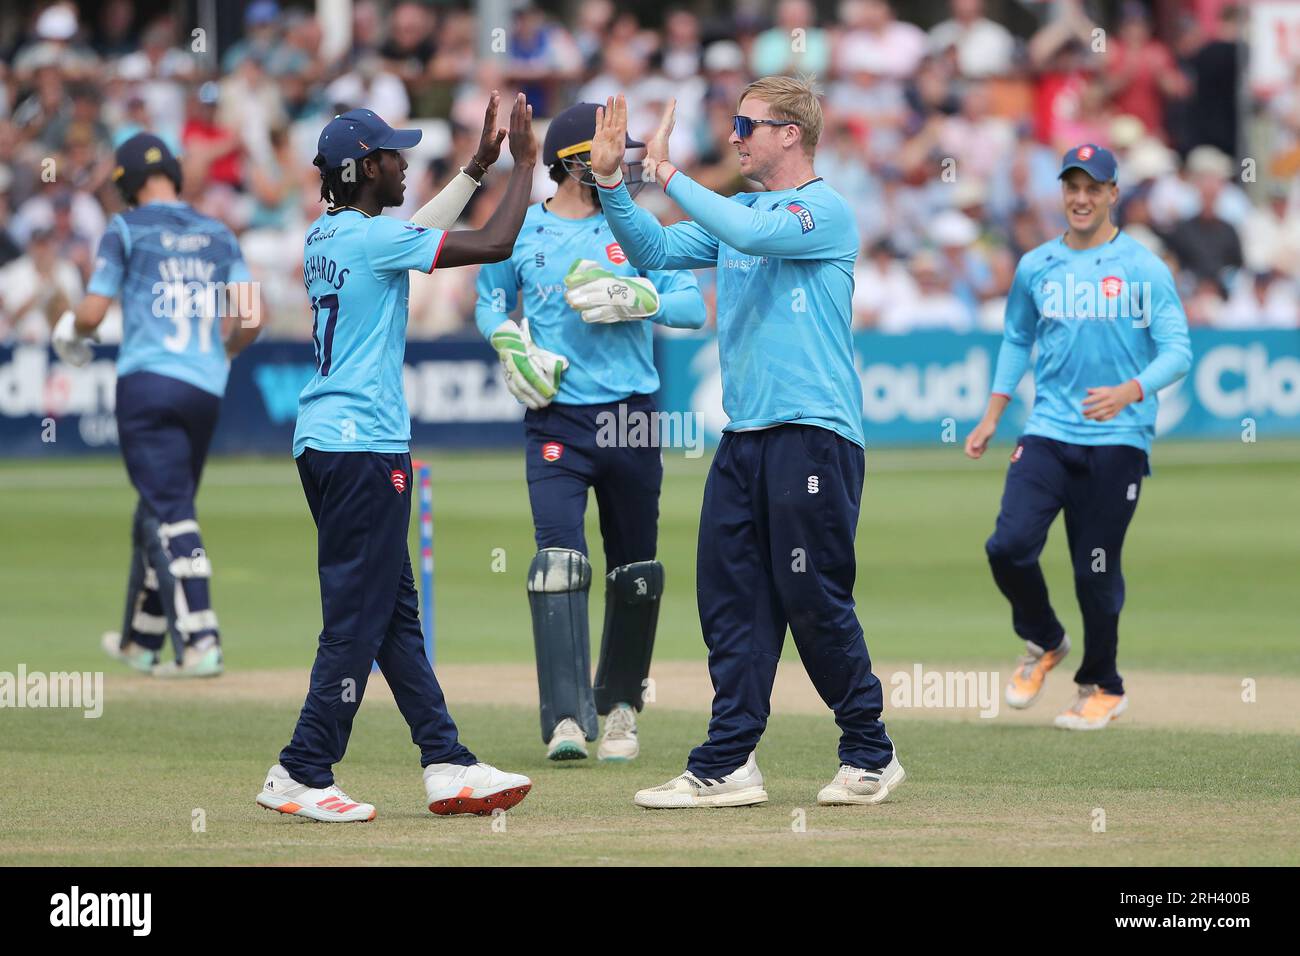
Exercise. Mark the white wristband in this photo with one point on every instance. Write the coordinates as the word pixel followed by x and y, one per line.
pixel 610 181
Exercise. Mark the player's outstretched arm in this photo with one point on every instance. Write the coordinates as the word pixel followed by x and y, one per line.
pixel 443 210
pixel 647 244
pixel 496 239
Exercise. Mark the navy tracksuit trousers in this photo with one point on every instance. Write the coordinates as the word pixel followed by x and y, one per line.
pixel 1097 487
pixel 777 528
pixel 361 502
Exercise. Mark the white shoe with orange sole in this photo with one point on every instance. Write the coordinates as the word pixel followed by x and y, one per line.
pixel 479 788
pixel 328 805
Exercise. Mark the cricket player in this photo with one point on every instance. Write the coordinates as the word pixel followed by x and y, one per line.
pixel 781 503
pixel 187 309
pixel 351 447
pixel 1111 333
pixel 593 310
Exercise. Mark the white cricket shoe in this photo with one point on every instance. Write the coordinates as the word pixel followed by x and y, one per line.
pixel 329 805
pixel 201 659
pixel 619 744
pixel 742 787
pixel 132 654
pixel 853 785
pixel 567 742
pixel 479 788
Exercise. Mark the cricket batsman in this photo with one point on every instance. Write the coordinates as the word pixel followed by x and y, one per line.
pixel 781 502
pixel 351 448
pixel 1111 333
pixel 188 308
pixel 593 311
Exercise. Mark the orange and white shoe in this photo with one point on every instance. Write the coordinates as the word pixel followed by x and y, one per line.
pixel 1093 709
pixel 329 805
pixel 479 788
pixel 1031 672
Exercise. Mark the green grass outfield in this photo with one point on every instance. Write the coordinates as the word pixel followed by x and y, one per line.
pixel 1211 564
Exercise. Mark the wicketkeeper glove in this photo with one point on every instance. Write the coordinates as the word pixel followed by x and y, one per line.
pixel 69 344
pixel 600 296
pixel 532 373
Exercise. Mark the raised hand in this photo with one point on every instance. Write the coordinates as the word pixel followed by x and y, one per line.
pixel 656 147
pixel 489 143
pixel 610 142
pixel 523 141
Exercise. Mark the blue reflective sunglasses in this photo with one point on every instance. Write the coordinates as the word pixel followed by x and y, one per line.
pixel 744 126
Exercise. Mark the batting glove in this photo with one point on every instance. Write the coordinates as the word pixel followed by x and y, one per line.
pixel 601 297
pixel 70 345
pixel 532 373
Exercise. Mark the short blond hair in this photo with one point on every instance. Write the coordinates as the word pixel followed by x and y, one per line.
pixel 791 98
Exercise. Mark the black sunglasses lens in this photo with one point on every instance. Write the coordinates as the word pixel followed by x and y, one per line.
pixel 744 126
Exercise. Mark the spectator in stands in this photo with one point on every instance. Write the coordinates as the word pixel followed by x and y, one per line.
pixel 55 44
pixel 871 34
pixel 681 55
pixel 880 281
pixel 9 247
pixel 934 307
pixel 1271 232
pixel 1264 299
pixel 542 55
pixel 1207 246
pixel 261 35
pixel 115 35
pixel 795 44
pixel 409 50
pixel 981 47
pixel 1214 88
pixel 370 83
pixel 35 289
pixel 1140 72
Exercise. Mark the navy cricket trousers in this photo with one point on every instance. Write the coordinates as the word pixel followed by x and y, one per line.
pixel 1097 487
pixel 164 428
pixel 361 502
pixel 568 451
pixel 777 527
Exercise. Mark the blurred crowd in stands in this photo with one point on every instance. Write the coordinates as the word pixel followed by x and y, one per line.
pixel 946 140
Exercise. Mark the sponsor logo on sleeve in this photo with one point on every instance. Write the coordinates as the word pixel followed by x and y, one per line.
pixel 804 215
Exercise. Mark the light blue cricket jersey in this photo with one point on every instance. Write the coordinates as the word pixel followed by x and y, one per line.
pixel 162 258
pixel 1100 317
pixel 355 269
pixel 607 361
pixel 785 291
